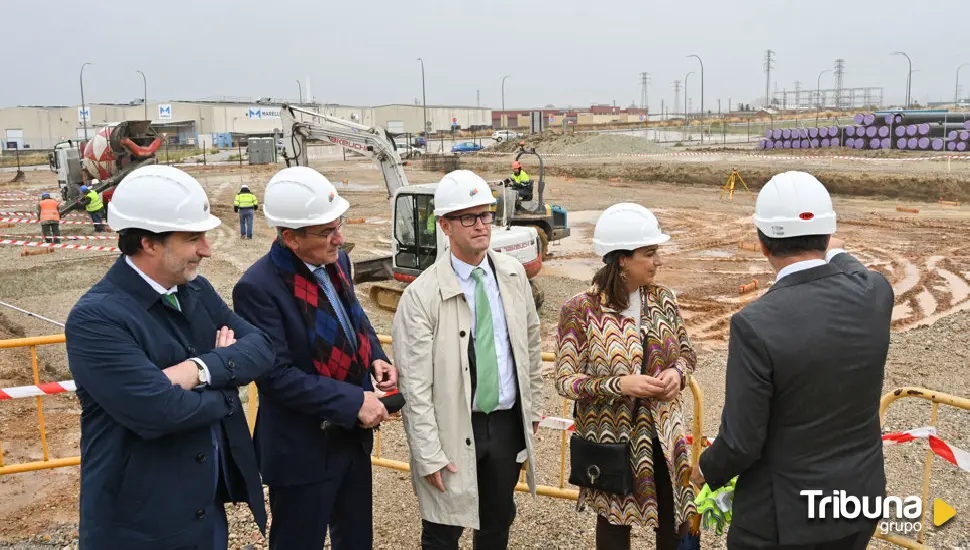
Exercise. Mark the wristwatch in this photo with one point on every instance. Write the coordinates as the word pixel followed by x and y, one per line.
pixel 203 379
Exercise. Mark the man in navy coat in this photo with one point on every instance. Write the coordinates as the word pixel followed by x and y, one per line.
pixel 317 405
pixel 158 358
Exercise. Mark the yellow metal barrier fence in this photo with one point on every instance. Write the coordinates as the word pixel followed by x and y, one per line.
pixel 47 462
pixel 936 398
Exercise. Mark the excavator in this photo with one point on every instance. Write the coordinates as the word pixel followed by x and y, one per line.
pixel 416 240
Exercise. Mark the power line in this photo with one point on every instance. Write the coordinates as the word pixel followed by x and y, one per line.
pixel 839 72
pixel 676 96
pixel 769 64
pixel 644 98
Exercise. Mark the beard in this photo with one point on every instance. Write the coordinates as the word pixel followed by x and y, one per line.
pixel 182 270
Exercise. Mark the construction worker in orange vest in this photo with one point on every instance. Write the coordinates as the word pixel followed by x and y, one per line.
pixel 50 218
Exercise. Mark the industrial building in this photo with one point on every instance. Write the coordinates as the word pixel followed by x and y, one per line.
pixel 221 123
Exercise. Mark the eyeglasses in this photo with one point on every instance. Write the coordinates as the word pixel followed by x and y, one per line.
pixel 330 232
pixel 468 220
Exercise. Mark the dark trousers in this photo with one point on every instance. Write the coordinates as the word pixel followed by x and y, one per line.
pixel 97 217
pixel 498 439
pixel 617 537
pixel 857 541
pixel 302 513
pixel 740 539
pixel 51 231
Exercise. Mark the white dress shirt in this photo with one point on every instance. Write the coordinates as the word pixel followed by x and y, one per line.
pixel 503 351
pixel 204 376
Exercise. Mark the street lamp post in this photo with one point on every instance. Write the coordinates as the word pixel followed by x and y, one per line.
pixel 144 82
pixel 503 100
pixel 909 77
pixel 702 94
pixel 84 110
pixel 424 100
pixel 300 86
pixel 818 93
pixel 956 91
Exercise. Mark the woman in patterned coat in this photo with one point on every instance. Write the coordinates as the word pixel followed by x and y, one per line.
pixel 624 356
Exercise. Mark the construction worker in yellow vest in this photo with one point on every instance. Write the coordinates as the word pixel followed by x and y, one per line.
pixel 94 206
pixel 246 205
pixel 521 182
pixel 50 218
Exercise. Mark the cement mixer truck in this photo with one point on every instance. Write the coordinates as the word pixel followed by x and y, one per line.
pixel 113 152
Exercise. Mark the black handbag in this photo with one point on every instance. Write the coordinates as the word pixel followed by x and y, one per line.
pixel 602 466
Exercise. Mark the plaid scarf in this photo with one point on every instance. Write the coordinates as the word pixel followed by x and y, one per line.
pixel 332 353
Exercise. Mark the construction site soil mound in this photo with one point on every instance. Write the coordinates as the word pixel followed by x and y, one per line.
pixel 582 144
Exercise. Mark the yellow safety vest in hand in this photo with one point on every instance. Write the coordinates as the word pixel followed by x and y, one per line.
pixel 96 204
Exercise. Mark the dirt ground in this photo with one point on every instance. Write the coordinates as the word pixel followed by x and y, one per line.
pixel 926 256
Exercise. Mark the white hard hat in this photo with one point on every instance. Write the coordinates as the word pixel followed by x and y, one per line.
pixel 300 197
pixel 793 204
pixel 160 198
pixel 626 226
pixel 459 190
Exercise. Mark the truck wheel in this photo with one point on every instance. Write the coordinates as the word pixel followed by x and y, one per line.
pixel 543 242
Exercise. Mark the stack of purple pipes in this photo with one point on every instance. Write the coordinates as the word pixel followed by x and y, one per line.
pixel 904 130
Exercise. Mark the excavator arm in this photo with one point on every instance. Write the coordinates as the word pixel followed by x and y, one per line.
pixel 301 126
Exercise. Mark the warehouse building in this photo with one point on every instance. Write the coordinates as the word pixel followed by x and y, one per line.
pixel 215 123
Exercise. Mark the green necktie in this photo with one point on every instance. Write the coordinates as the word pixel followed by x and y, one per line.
pixel 172 301
pixel 486 361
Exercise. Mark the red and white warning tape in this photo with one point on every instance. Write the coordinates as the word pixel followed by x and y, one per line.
pixel 68 246
pixel 31 214
pixel 29 220
pixel 68 237
pixel 48 388
pixel 736 154
pixel 954 455
pixel 896 438
pixel 557 423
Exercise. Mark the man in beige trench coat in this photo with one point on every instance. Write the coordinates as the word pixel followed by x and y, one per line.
pixel 467 350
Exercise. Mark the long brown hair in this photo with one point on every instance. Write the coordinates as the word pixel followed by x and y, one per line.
pixel 609 280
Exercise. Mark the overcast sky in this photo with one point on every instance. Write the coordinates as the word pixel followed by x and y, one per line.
pixel 563 52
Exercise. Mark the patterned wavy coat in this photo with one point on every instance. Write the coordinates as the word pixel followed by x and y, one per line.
pixel 596 346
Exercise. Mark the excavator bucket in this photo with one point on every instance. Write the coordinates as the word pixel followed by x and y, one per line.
pixel 385 296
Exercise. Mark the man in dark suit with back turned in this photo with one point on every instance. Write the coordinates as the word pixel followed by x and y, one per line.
pixel 804 377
